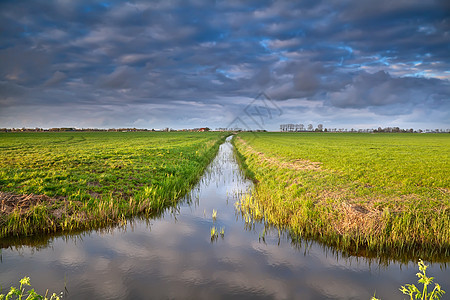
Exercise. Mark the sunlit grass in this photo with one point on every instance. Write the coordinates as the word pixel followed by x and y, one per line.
pixel 98 178
pixel 386 193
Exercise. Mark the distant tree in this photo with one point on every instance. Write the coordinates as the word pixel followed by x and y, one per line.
pixel 310 127
pixel 320 127
pixel 301 127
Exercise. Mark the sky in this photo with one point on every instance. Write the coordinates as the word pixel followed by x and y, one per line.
pixel 252 64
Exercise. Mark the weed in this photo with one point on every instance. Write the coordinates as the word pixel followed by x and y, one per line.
pixel 415 293
pixel 19 293
pixel 215 233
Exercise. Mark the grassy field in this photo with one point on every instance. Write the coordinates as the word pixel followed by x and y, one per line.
pixel 371 193
pixel 78 180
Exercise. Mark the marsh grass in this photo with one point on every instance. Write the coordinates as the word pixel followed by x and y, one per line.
pixel 93 180
pixel 351 198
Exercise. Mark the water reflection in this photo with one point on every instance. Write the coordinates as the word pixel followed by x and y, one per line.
pixel 171 256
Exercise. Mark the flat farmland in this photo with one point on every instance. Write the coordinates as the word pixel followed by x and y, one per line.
pixel 77 180
pixel 373 193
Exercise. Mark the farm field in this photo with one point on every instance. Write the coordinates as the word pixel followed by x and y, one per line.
pixel 364 193
pixel 80 180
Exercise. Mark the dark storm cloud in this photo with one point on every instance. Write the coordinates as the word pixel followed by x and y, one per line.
pixel 98 58
pixel 380 89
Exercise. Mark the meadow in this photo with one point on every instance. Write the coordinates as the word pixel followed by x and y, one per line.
pixel 369 194
pixel 67 181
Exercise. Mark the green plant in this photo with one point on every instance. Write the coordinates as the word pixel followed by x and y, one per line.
pixel 214 233
pixel 214 214
pixel 415 293
pixel 20 293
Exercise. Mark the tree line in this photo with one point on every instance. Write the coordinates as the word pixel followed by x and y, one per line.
pixel 319 128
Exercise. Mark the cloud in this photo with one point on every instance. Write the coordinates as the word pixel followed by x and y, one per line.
pixel 122 77
pixel 120 53
pixel 55 79
pixel 380 90
pixel 307 78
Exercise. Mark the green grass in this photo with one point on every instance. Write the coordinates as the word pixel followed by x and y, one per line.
pixel 98 178
pixel 365 193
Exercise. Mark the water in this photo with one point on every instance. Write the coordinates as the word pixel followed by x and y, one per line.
pixel 173 257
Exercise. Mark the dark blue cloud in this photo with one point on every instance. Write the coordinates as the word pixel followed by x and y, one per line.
pixel 93 58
